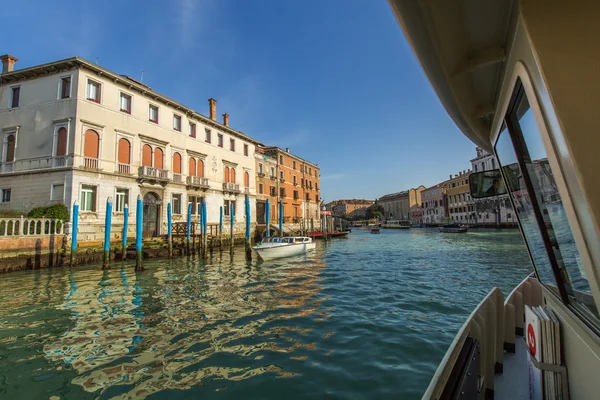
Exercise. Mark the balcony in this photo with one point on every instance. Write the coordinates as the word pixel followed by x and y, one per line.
pixel 261 174
pixel 273 177
pixel 197 182
pixel 282 180
pixel 153 175
pixel 59 161
pixel 124 169
pixel 8 167
pixel 229 187
pixel 296 197
pixel 91 163
pixel 295 183
pixel 247 190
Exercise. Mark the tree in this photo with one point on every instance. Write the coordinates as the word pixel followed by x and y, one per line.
pixel 374 211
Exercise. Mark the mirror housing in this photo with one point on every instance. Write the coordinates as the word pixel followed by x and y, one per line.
pixel 486 184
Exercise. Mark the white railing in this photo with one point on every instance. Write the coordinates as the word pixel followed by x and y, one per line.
pixel 30 226
pixel 231 187
pixel 59 161
pixel 151 172
pixel 493 324
pixel 91 163
pixel 124 168
pixel 177 178
pixel 197 181
pixel 7 167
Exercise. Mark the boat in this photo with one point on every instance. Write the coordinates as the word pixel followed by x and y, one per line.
pixel 283 246
pixel 374 229
pixel 453 229
pixel 402 224
pixel 334 234
pixel 519 79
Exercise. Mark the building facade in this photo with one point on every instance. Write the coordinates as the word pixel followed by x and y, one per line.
pixel 76 132
pixel 492 211
pixel 266 185
pixel 435 205
pixel 297 183
pixel 461 207
pixel 402 205
pixel 349 208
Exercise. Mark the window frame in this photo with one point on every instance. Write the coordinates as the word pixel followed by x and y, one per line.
pixel 53 191
pixel 59 95
pixel 179 197
pixel 87 91
pixel 118 207
pixel 3 198
pixel 232 144
pixel 220 140
pixel 11 98
pixel 179 119
pixel 246 149
pixel 82 203
pixel 561 164
pixel 192 131
pixel 150 107
pixel 121 94
pixel 207 135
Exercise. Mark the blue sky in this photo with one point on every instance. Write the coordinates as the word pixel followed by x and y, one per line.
pixel 334 80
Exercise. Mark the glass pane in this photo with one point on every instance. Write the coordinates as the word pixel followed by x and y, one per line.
pixel 555 224
pixel 553 212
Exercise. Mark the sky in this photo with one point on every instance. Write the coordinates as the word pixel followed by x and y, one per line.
pixel 333 80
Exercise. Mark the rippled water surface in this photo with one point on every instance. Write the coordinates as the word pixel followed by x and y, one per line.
pixel 366 317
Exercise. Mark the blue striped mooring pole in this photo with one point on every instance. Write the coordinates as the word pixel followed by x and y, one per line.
pixel 170 228
pixel 139 211
pixel 125 229
pixel 248 244
pixel 75 226
pixel 107 223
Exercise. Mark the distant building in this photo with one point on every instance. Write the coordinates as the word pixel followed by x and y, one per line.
pixel 461 208
pixel 435 206
pixel 493 211
pixel 349 208
pixel 402 205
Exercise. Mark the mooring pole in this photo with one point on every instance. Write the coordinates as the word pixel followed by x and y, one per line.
pixel 231 222
pixel 107 223
pixel 281 217
pixel 204 228
pixel 221 228
pixel 125 229
pixel 189 227
pixel 170 228
pixel 268 218
pixel 139 211
pixel 248 244
pixel 74 233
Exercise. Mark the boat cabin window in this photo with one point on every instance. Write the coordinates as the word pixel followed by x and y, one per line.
pixel 524 162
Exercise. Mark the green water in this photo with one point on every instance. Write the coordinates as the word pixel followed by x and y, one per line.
pixel 365 317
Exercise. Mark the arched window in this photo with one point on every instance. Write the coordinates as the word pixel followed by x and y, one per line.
pixel 226 174
pixel 232 175
pixel 61 142
pixel 176 163
pixel 192 167
pixel 147 155
pixel 201 168
pixel 246 179
pixel 124 153
pixel 91 145
pixel 158 158
pixel 10 148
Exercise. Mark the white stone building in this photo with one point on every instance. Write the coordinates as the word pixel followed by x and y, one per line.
pixel 74 131
pixel 493 211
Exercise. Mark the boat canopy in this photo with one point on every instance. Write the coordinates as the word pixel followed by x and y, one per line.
pixel 461 46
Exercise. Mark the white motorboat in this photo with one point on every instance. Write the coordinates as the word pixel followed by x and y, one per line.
pixel 278 247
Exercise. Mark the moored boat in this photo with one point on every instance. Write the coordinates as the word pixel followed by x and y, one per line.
pixel 334 234
pixel 402 224
pixel 453 229
pixel 278 247
pixel 374 229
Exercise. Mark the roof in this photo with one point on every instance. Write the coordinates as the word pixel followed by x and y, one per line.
pixel 278 149
pixel 461 46
pixel 393 195
pixel 78 62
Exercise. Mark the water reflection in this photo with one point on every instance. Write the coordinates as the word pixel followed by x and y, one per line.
pixel 173 328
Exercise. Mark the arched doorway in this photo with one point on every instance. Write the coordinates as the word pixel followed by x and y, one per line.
pixel 151 216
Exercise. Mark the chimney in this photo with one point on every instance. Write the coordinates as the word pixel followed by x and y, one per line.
pixel 287 149
pixel 212 104
pixel 8 63
pixel 450 176
pixel 225 119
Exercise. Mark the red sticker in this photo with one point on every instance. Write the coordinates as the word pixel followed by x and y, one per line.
pixel 531 339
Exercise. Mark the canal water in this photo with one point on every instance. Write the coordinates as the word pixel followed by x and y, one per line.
pixel 369 316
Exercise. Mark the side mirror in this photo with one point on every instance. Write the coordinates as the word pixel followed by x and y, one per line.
pixel 486 184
